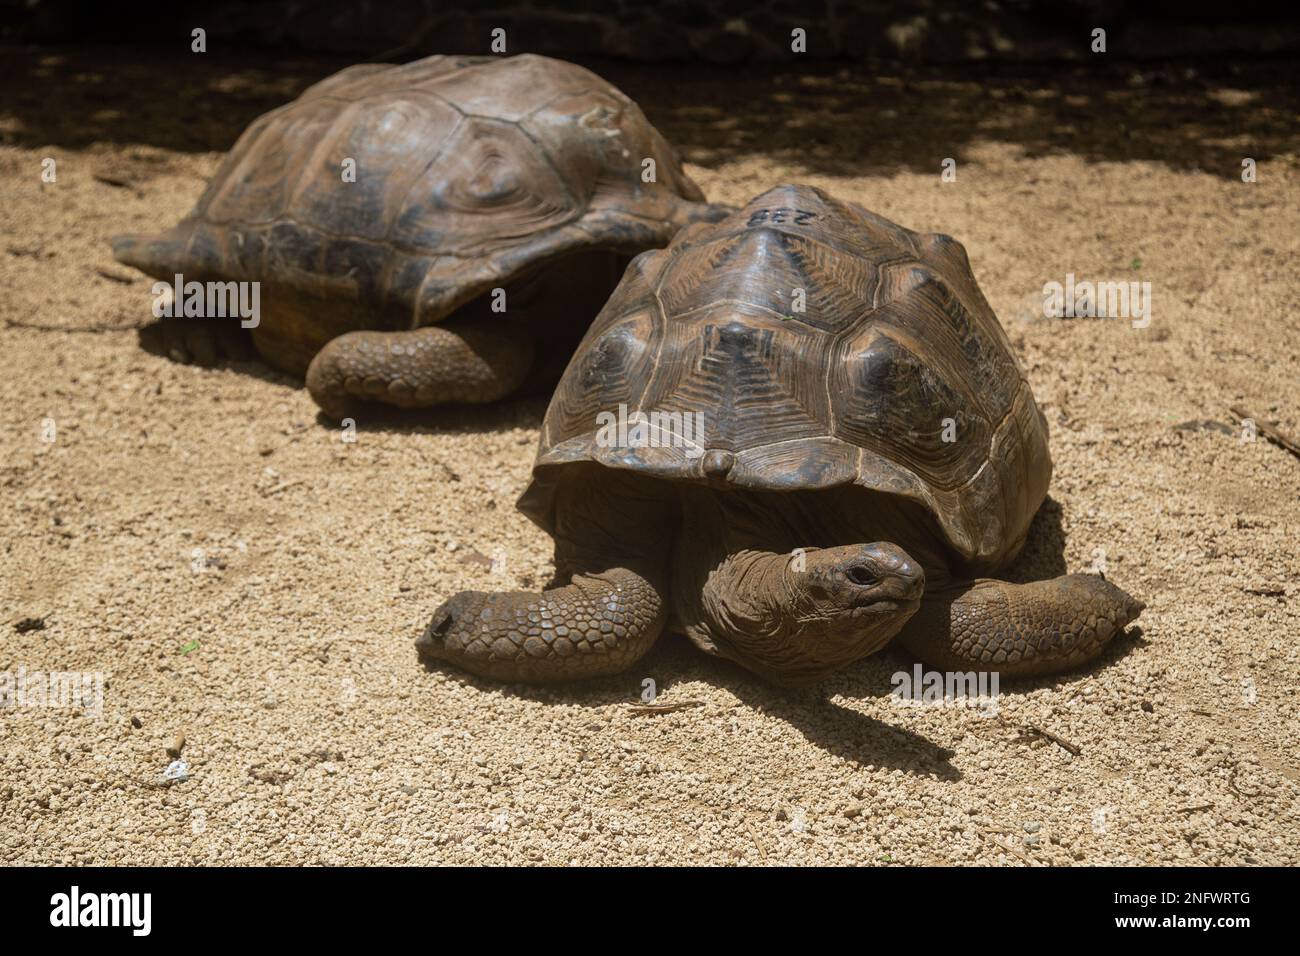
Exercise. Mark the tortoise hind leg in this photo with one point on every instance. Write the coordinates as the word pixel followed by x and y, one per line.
pixel 469 362
pixel 184 339
pixel 1019 630
pixel 201 341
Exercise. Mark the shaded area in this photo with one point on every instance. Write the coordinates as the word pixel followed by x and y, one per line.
pixel 831 726
pixel 508 414
pixel 714 31
pixel 857 121
pixel 1044 552
pixel 828 725
pixel 818 118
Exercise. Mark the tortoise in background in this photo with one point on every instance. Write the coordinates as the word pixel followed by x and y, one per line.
pixel 863 466
pixel 471 174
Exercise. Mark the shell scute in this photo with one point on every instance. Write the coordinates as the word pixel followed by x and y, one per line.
pixel 485 189
pixel 468 172
pixel 254 182
pixel 896 377
pixel 377 138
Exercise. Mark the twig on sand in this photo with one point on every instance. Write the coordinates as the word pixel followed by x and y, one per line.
pixel 115 276
pixel 34 252
pixel 762 853
pixel 987 832
pixel 48 327
pixel 1075 749
pixel 1196 809
pixel 282 486
pixel 642 710
pixel 1271 432
pixel 117 183
pixel 1232 783
pixel 1266 591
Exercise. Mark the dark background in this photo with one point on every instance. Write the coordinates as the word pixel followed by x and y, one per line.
pixel 716 31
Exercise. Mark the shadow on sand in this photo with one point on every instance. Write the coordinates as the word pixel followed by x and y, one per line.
pixel 819 714
pixel 819 118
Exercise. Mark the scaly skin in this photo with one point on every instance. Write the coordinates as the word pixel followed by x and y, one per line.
pixel 790 621
pixel 468 362
pixel 599 624
pixel 611 546
pixel 795 622
pixel 478 355
pixel 1019 630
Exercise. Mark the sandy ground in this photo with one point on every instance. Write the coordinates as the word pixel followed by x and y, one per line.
pixel 242 576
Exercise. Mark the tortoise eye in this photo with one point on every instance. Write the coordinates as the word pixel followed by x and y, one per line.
pixel 861 576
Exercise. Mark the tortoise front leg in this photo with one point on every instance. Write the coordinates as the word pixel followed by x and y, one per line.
pixel 469 362
pixel 1019 630
pixel 599 624
pixel 611 542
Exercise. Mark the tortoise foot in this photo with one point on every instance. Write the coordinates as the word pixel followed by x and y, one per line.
pixel 198 341
pixel 1019 630
pixel 466 363
pixel 597 625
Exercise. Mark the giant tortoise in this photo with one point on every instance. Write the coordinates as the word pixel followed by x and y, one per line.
pixel 870 453
pixel 442 231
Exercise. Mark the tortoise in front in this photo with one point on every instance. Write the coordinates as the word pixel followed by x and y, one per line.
pixel 384 208
pixel 863 464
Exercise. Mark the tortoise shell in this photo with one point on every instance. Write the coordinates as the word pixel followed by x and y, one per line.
pixel 468 171
pixel 822 345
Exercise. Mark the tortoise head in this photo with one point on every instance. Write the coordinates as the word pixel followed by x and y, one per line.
pixel 796 618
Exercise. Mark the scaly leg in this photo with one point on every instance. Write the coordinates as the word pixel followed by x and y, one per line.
pixel 1019 629
pixel 201 341
pixel 611 541
pixel 468 362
